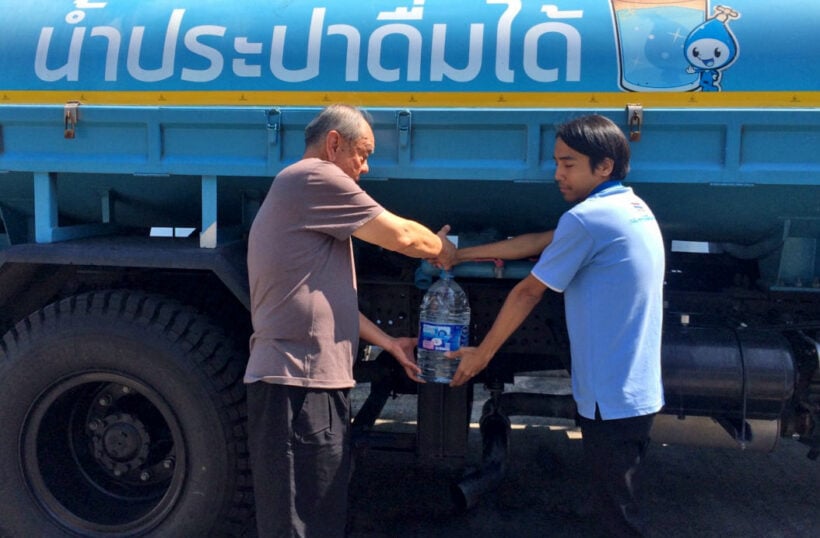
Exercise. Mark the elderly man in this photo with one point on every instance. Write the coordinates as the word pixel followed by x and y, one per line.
pixel 307 324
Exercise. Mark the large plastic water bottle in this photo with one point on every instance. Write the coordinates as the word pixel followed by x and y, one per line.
pixel 444 325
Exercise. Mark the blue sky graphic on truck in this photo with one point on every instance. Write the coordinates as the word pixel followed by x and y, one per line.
pixel 673 46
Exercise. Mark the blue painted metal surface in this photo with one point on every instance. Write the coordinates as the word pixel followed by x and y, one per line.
pixel 180 113
pixel 738 146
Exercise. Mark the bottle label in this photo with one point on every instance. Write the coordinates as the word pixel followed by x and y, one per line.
pixel 440 336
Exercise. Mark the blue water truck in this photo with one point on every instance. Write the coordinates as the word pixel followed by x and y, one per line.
pixel 137 141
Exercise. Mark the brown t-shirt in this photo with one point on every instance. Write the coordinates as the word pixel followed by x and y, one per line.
pixel 304 305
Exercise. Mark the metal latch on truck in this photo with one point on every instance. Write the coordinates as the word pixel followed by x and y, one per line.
pixel 72 116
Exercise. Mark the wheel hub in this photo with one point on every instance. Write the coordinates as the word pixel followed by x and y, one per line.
pixel 121 443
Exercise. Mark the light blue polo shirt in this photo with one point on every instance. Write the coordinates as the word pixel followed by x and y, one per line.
pixel 607 257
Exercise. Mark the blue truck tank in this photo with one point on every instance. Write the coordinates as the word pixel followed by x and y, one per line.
pixel 121 122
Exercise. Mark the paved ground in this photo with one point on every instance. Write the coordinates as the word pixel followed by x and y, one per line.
pixel 692 492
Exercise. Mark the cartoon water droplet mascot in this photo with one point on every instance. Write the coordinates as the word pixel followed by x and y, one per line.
pixel 711 47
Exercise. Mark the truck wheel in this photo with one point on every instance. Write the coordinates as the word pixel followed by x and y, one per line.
pixel 122 414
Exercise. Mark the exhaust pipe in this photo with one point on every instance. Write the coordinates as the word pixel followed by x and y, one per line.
pixel 495 429
pixel 495 434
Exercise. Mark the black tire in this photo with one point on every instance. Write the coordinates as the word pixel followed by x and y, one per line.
pixel 122 415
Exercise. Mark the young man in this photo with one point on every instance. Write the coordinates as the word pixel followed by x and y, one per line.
pixel 306 324
pixel 607 256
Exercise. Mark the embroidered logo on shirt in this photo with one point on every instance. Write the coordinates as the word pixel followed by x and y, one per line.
pixel 641 213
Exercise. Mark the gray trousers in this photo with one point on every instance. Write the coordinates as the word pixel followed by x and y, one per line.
pixel 299 447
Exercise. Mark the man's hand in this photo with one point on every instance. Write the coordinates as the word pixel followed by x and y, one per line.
pixel 473 361
pixel 517 306
pixel 402 348
pixel 447 257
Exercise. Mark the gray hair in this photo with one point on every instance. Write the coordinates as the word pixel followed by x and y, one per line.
pixel 344 119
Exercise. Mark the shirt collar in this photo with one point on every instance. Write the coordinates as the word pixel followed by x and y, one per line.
pixel 606 185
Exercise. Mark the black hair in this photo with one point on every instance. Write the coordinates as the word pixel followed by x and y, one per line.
pixel 344 119
pixel 598 138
